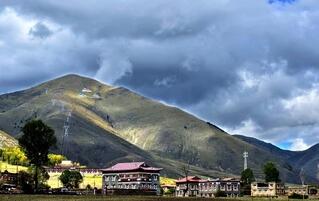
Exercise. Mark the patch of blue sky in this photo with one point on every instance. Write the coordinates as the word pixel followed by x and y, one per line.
pixel 283 1
pixel 284 145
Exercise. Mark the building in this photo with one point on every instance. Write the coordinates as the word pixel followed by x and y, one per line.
pixel 301 190
pixel 271 189
pixel 91 176
pixel 198 187
pixel 8 178
pixel 193 186
pixel 230 187
pixel 131 178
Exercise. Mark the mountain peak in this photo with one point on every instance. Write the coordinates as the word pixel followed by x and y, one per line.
pixel 75 82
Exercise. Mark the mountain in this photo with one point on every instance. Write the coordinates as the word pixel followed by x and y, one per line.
pixel 272 149
pixel 108 124
pixel 307 160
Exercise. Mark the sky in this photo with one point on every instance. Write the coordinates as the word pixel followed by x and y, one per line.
pixel 250 67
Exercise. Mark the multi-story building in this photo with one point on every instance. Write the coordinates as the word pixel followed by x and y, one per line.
pixel 8 178
pixel 188 186
pixel 301 190
pixel 230 187
pixel 270 189
pixel 198 187
pixel 131 178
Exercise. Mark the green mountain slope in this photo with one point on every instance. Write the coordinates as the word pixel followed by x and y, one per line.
pixel 109 124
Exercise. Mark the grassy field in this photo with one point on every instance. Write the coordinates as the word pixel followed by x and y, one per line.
pixel 92 198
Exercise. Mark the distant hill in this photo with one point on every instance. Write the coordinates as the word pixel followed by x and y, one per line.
pixel 307 160
pixel 109 124
pixel 272 149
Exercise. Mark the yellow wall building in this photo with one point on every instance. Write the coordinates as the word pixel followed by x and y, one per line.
pixel 92 177
pixel 301 190
pixel 271 189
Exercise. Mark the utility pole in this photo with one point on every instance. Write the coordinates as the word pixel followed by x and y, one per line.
pixel 245 156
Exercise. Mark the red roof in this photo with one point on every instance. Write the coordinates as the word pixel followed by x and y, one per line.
pixel 191 179
pixel 119 167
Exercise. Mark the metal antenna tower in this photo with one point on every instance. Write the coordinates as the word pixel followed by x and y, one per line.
pixel 66 132
pixel 245 156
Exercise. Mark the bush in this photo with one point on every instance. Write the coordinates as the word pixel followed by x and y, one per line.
pixel 297 196
pixel 220 193
pixel 170 192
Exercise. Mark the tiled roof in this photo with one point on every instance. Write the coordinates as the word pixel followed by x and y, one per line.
pixel 190 179
pixel 130 166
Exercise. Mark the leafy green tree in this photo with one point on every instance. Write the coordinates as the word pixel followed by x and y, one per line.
pixel 55 159
pixel 71 179
pixel 14 156
pixel 36 141
pixel 247 176
pixel 271 172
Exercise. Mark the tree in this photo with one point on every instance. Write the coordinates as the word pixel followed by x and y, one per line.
pixel 36 141
pixel 71 179
pixel 14 156
pixel 271 172
pixel 220 193
pixel 247 176
pixel 55 159
pixel 185 170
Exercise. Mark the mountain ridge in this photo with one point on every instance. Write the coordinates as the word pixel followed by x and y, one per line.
pixel 110 124
pixel 308 159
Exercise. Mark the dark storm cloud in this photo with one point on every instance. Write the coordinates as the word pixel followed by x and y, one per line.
pixel 249 66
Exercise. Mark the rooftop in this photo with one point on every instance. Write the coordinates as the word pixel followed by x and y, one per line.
pixel 130 167
pixel 190 179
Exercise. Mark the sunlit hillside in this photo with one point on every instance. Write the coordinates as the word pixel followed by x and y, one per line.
pixel 112 124
pixel 6 140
